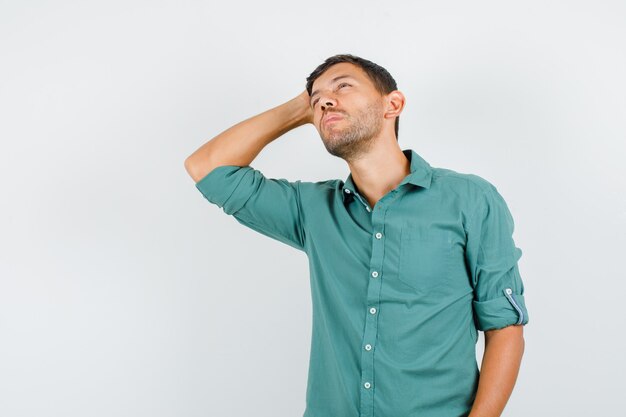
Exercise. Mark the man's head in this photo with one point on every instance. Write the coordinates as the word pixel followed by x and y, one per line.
pixel 366 102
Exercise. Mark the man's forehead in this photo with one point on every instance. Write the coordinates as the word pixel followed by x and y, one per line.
pixel 343 68
pixel 336 72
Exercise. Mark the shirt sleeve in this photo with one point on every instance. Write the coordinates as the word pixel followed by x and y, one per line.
pixel 267 205
pixel 492 259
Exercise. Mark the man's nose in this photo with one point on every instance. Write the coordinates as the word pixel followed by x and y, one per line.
pixel 327 102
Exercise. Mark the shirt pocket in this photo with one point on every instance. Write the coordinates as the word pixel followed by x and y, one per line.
pixel 425 257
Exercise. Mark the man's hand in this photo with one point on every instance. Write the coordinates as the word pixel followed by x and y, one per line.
pixel 306 103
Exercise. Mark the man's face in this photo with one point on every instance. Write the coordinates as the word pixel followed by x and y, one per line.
pixel 355 103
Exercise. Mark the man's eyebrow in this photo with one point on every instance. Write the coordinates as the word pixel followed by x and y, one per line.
pixel 332 81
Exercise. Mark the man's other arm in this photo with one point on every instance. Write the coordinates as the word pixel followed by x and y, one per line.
pixel 500 366
pixel 241 143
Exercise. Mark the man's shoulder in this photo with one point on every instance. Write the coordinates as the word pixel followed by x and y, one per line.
pixel 449 178
pixel 474 190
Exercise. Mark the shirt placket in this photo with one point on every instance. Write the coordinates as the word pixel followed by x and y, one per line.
pixel 373 301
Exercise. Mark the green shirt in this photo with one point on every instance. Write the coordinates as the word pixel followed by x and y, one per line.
pixel 398 290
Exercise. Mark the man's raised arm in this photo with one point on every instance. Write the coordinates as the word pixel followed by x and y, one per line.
pixel 241 143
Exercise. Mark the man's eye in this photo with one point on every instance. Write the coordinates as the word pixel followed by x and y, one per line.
pixel 340 85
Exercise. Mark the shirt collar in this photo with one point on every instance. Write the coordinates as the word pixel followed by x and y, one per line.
pixel 420 175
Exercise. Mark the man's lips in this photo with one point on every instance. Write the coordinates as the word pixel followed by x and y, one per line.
pixel 332 117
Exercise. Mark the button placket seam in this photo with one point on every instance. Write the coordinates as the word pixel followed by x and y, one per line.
pixel 373 300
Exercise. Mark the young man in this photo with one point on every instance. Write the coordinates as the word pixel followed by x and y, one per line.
pixel 407 261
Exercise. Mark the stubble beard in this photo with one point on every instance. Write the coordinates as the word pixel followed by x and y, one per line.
pixel 356 138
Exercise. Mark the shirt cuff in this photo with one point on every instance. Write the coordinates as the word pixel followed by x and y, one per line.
pixel 220 185
pixel 501 312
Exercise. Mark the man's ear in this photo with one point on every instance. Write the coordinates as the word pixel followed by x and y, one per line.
pixel 394 104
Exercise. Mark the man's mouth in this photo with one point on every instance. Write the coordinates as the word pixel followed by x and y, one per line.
pixel 332 118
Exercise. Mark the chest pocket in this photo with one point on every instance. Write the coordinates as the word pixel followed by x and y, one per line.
pixel 425 257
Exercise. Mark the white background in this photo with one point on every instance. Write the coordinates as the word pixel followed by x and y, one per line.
pixel 123 292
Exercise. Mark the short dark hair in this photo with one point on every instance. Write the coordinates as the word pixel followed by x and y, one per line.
pixel 380 77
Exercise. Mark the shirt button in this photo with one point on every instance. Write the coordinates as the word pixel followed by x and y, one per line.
pixel 375 274
pixel 347 191
pixel 373 310
pixel 367 385
pixel 379 235
pixel 508 291
pixel 368 347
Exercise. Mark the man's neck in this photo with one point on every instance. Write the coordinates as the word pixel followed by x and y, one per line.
pixel 380 170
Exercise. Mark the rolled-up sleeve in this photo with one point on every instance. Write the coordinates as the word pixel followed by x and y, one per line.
pixel 267 205
pixel 492 259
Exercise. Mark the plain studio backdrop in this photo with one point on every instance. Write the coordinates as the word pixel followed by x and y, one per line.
pixel 123 292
